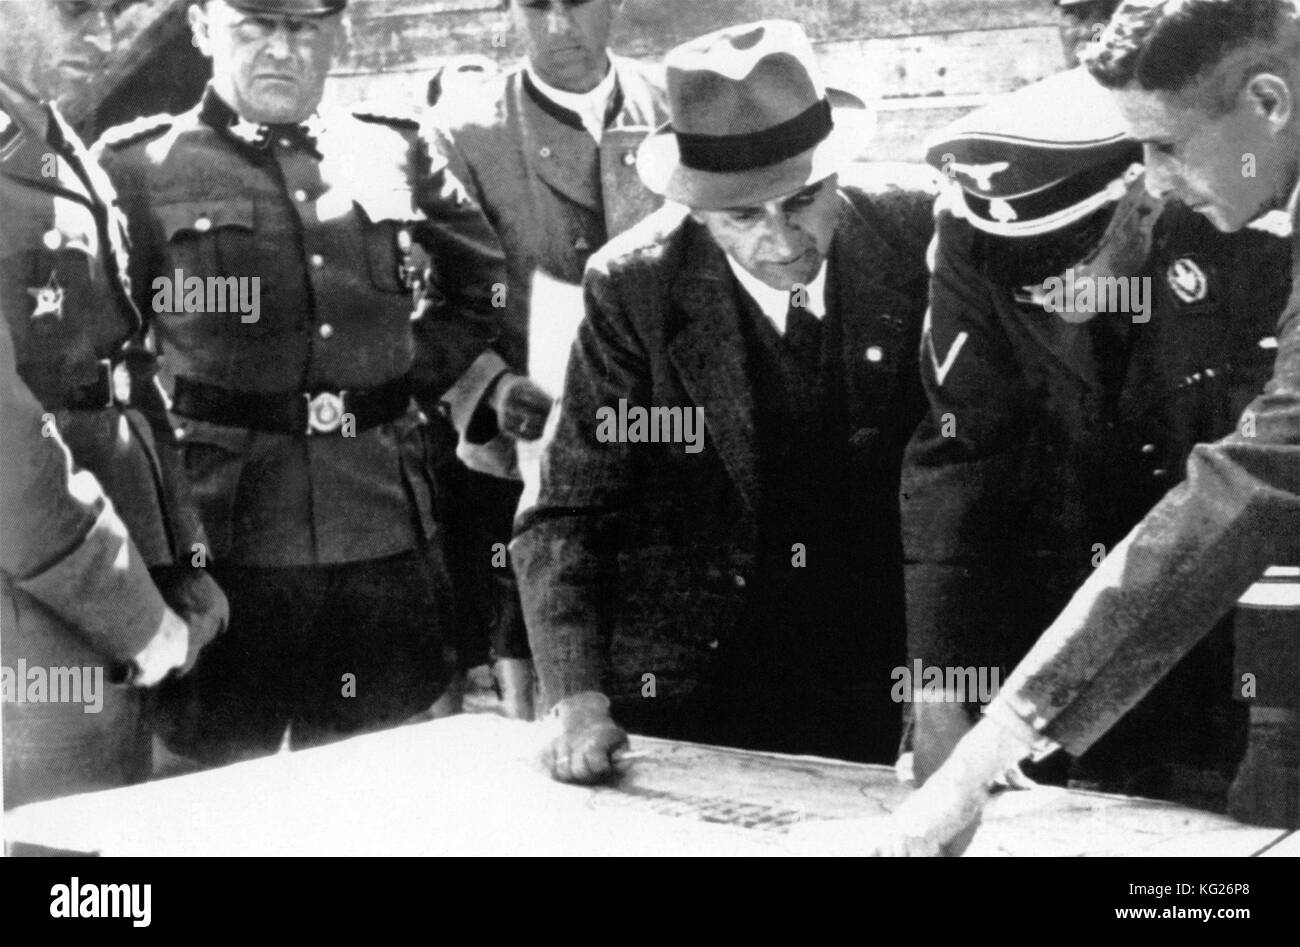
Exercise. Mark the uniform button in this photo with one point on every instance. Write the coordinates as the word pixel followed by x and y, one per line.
pixel 738 580
pixel 714 644
pixel 875 354
pixel 300 196
pixel 1148 448
pixel 1211 373
pixel 203 224
pixel 545 152
pixel 317 260
pixel 629 159
pixel 284 142
pixel 1159 473
pixel 52 239
pixel 326 331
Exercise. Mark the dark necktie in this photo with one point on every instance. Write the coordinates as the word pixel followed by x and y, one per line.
pixel 803 336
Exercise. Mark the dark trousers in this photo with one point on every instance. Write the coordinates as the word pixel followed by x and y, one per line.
pixel 477 513
pixel 327 651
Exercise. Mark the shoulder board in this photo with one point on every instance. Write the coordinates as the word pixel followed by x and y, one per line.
pixel 394 117
pixel 119 136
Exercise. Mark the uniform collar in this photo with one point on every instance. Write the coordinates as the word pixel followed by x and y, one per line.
pixel 1280 223
pixel 775 303
pixel 217 113
pixel 591 109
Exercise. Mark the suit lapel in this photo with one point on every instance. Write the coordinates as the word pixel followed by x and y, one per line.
pixel 560 156
pixel 708 352
pixel 865 284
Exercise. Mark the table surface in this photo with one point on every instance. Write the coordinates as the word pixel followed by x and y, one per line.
pixel 470 785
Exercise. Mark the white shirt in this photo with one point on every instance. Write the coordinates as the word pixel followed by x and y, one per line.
pixel 591 107
pixel 775 303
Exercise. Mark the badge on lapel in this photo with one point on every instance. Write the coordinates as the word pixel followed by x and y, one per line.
pixel 1188 281
pixel 49 299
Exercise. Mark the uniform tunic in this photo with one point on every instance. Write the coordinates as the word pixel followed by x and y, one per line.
pixel 327 541
pixel 90 492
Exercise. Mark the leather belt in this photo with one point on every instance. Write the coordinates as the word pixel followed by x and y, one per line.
pixel 320 412
pixel 112 386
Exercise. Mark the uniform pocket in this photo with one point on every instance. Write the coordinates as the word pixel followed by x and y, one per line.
pixel 208 238
pixel 385 254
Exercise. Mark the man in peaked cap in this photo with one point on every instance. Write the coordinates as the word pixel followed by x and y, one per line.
pixel 302 420
pixel 1209 89
pixel 736 579
pixel 1053 429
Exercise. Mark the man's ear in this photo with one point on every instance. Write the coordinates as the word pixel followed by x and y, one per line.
pixel 1271 99
pixel 198 19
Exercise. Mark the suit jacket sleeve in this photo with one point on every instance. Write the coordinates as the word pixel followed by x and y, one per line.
pixel 1176 573
pixel 465 395
pixel 960 468
pixel 566 548
pixel 63 543
pixel 457 319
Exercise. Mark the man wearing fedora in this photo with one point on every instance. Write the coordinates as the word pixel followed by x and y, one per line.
pixel 549 151
pixel 1053 430
pixel 743 589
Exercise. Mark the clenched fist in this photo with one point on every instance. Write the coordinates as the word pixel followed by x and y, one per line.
pixel 584 750
pixel 521 407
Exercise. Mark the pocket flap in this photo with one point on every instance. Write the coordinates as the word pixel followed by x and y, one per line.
pixel 199 217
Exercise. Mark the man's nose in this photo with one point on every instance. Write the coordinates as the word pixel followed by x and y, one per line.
pixel 280 42
pixel 783 238
pixel 1159 178
pixel 559 19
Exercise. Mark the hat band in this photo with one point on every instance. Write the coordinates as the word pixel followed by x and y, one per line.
pixel 729 153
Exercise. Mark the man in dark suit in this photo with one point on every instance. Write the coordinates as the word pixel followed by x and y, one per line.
pixel 549 151
pixel 1050 432
pixel 727 568
pixel 1209 87
pixel 99 561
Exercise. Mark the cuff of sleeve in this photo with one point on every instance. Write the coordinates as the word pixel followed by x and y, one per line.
pixel 1020 721
pixel 103 589
pixel 463 399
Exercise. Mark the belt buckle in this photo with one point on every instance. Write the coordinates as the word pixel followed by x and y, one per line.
pixel 324 412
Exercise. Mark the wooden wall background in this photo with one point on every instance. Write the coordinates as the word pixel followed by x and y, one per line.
pixel 922 62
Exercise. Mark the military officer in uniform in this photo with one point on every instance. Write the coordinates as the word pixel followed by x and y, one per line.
pixel 549 150
pixel 301 412
pixel 97 568
pixel 1053 429
pixel 745 589
pixel 1219 128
